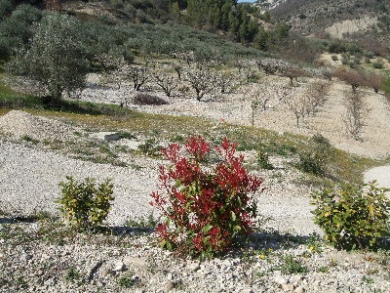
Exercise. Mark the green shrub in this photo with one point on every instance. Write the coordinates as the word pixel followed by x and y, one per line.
pixel 292 266
pixel 84 204
pixel 151 147
pixel 378 65
pixel 352 217
pixel 315 158
pixel 263 160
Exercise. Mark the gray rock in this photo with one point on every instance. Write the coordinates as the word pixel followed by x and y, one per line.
pixel 107 136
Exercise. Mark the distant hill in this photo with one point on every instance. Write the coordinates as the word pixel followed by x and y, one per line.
pixel 364 21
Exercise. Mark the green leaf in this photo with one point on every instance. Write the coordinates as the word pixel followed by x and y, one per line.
pixel 207 228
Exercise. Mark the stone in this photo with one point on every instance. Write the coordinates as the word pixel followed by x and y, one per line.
pixel 107 136
pixel 136 264
pixel 299 289
pixel 295 279
pixel 278 279
pixel 194 267
pixel 170 276
pixel 287 287
pixel 169 286
pixel 119 266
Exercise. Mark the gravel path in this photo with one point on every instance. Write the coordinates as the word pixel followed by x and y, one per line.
pixel 29 180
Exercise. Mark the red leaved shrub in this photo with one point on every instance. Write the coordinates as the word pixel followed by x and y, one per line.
pixel 206 207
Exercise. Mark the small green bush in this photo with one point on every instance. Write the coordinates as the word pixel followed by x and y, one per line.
pixel 85 205
pixel 151 147
pixel 378 65
pixel 263 160
pixel 314 160
pixel 292 266
pixel 352 217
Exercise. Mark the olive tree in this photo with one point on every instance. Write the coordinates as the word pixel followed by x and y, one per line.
pixel 56 57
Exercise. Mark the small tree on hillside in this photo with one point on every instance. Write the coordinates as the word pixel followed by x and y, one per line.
pixel 139 76
pixel 226 82
pixel 353 78
pixel 56 59
pixel 201 80
pixel 354 114
pixel 115 66
pixel 374 81
pixel 261 97
pixel 292 72
pixel 270 66
pixel 298 105
pixel 187 56
pixel 316 96
pixel 165 81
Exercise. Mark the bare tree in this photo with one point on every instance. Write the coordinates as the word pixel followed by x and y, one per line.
pixel 270 66
pixel 188 57
pixel 374 81
pixel 201 80
pixel 240 63
pixel 316 96
pixel 274 92
pixel 261 97
pixel 354 114
pixel 139 76
pixel 226 81
pixel 114 65
pixel 298 106
pixel 165 81
pixel 353 78
pixel 179 69
pixel 292 72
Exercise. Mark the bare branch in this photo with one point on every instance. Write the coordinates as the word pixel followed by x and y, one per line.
pixel 139 76
pixel 298 106
pixel 165 81
pixel 201 80
pixel 354 114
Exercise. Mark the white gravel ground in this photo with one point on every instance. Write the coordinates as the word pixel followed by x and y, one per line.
pixel 380 174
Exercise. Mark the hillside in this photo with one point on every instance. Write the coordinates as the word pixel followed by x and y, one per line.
pixel 95 92
pixel 364 21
